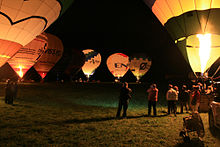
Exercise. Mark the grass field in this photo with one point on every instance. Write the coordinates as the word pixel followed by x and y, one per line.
pixel 84 115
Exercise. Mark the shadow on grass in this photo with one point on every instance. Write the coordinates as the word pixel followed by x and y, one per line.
pixel 106 119
pixel 74 121
pixel 194 142
pixel 21 105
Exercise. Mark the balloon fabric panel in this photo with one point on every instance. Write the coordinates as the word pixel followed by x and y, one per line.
pixel 21 21
pixel 185 20
pixel 118 64
pixel 92 62
pixel 51 55
pixel 139 66
pixel 28 55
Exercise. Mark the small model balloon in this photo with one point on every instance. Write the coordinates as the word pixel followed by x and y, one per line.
pixel 139 65
pixel 28 55
pixel 194 26
pixel 92 62
pixel 22 20
pixel 118 64
pixel 51 55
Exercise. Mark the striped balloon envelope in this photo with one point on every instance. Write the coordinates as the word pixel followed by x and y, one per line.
pixel 118 64
pixel 194 25
pixel 28 55
pixel 139 65
pixel 92 62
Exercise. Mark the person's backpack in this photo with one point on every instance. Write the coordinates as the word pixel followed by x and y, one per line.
pixel 172 95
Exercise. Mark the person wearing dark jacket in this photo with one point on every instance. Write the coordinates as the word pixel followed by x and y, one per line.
pixel 125 96
pixel 8 93
pixel 184 98
pixel 195 102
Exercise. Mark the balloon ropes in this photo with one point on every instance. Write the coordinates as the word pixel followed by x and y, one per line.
pixel 92 62
pixel 195 27
pixel 51 55
pixel 139 65
pixel 23 20
pixel 118 64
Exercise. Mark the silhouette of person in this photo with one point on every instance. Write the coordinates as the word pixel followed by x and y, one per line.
pixel 184 98
pixel 8 93
pixel 195 102
pixel 152 98
pixel 125 96
pixel 14 89
pixel 171 97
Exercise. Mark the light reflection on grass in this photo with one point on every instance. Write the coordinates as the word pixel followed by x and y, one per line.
pixel 84 115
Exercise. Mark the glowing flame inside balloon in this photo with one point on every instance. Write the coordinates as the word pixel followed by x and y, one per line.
pixel 20 73
pixel 204 50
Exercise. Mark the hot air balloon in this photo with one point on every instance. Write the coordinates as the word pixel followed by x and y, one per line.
pixel 28 55
pixel 194 26
pixel 139 65
pixel 51 55
pixel 22 20
pixel 92 62
pixel 118 64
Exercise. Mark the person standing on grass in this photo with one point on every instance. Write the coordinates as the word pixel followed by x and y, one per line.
pixel 171 96
pixel 195 102
pixel 152 99
pixel 184 99
pixel 14 89
pixel 9 92
pixel 177 97
pixel 125 96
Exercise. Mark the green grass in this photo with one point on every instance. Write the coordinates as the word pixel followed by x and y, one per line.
pixel 84 115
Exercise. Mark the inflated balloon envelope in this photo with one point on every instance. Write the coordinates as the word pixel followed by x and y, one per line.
pixel 50 56
pixel 28 55
pixel 118 64
pixel 22 20
pixel 194 25
pixel 139 65
pixel 92 62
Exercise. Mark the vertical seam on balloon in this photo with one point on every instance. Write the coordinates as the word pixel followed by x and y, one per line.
pixel 61 5
pixel 216 70
pixel 175 18
pixel 1 5
pixel 183 17
pixel 161 12
pixel 23 26
pixel 198 16
pixel 208 16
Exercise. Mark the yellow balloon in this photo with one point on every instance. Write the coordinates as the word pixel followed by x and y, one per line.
pixel 92 62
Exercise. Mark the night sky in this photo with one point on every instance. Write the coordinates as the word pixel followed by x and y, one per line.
pixel 127 26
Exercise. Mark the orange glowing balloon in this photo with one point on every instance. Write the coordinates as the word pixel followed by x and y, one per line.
pixel 51 55
pixel 92 62
pixel 22 20
pixel 28 55
pixel 118 64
